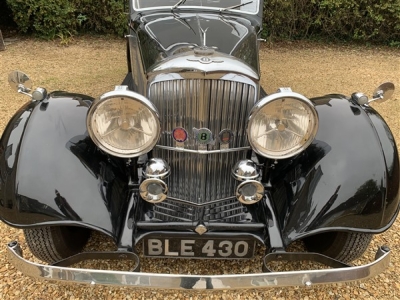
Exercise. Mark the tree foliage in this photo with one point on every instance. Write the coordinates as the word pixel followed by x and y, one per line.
pixel 52 18
pixel 365 20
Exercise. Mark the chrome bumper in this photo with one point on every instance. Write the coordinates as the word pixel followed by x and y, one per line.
pixel 198 282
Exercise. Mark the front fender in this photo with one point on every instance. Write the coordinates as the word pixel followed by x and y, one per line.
pixel 348 179
pixel 51 172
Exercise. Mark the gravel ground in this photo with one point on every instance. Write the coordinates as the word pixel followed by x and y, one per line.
pixel 94 65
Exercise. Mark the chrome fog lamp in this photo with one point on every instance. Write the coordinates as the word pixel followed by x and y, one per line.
pixel 246 170
pixel 250 192
pixel 282 125
pixel 153 190
pixel 123 123
pixel 156 168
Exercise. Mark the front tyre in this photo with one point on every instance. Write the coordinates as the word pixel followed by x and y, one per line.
pixel 342 246
pixel 55 243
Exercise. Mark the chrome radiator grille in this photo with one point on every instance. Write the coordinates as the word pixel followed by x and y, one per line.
pixel 229 211
pixel 202 103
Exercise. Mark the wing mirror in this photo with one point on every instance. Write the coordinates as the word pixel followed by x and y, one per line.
pixel 20 82
pixel 381 94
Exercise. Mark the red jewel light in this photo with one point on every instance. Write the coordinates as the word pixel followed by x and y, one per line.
pixel 225 136
pixel 179 134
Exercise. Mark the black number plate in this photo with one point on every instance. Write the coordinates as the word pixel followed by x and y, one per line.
pixel 198 248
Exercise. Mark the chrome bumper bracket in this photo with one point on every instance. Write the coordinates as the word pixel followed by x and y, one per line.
pixel 198 282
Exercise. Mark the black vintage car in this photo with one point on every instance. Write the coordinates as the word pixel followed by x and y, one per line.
pixel 192 158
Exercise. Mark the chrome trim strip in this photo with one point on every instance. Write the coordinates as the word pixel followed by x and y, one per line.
pixel 203 151
pixel 189 75
pixel 197 282
pixel 188 61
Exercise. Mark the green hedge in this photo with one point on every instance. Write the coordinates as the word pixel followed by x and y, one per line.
pixel 365 20
pixel 61 18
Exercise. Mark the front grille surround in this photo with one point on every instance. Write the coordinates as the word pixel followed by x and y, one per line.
pixel 216 104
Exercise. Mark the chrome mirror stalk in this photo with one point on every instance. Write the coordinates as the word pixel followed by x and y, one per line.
pixel 21 82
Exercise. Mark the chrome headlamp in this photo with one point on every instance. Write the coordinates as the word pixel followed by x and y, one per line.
pixel 123 123
pixel 282 125
pixel 153 190
pixel 250 192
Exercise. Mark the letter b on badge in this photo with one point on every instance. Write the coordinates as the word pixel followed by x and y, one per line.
pixel 154 246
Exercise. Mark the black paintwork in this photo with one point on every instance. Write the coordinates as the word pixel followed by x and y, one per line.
pixel 345 179
pixel 52 173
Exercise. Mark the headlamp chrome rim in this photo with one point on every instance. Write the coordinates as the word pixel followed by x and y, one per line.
pixel 257 195
pixel 268 100
pixel 123 93
pixel 150 197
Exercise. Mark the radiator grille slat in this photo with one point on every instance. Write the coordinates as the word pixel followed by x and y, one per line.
pixel 225 211
pixel 202 103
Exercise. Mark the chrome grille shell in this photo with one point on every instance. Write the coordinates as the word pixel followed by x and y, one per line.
pixel 201 174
